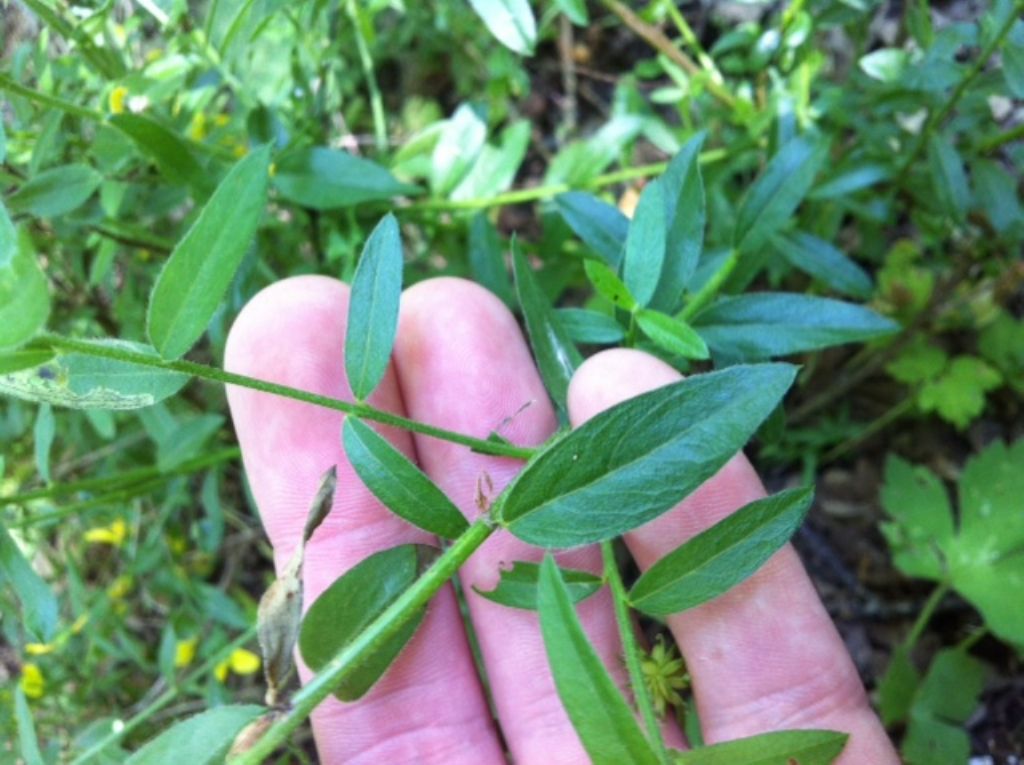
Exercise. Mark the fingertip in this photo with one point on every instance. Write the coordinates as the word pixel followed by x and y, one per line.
pixel 613 376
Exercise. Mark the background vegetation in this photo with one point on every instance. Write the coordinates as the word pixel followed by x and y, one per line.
pixel 849 150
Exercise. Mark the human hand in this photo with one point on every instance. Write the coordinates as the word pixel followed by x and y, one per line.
pixel 765 656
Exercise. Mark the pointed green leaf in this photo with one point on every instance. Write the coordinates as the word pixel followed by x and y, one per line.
pixel 645 244
pixel 496 167
pixel 762 325
pixel 685 214
pixel 373 308
pixel 806 747
pixel 510 21
pixel 487 260
pixel 38 604
pixel 56 191
pixel 462 139
pixel 606 725
pixel 576 10
pixel 585 326
pixel 329 179
pixel 601 226
pixel 776 194
pixel 84 381
pixel 517 587
pixel 17 361
pixel 672 335
pixel 355 599
pixel 167 149
pixel 556 355
pixel 716 560
pixel 27 741
pixel 846 183
pixel 398 483
pixel 202 265
pixel 949 179
pixel 203 739
pixel 24 293
pixel 897 687
pixel 609 285
pixel 633 462
pixel 819 259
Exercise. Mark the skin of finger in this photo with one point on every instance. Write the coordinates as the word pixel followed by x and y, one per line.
pixel 429 707
pixel 764 656
pixel 464 365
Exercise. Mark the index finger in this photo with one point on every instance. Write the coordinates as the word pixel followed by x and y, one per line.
pixel 765 656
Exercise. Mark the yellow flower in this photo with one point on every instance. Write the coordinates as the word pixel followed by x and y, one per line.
pixel 114 534
pixel 221 670
pixel 33 684
pixel 197 130
pixel 185 652
pixel 118 96
pixel 244 662
pixel 39 649
pixel 272 171
pixel 120 587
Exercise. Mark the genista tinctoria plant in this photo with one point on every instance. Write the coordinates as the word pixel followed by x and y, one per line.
pixel 165 184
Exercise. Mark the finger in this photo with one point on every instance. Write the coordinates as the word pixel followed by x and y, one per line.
pixel 765 656
pixel 429 706
pixel 464 366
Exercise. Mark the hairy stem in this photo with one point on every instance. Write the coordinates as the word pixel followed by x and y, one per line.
pixel 381 629
pixel 206 372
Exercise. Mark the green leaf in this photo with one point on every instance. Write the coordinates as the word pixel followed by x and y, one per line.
pixel 885 64
pixel 949 180
pixel 203 739
pixel 517 587
pixel 716 560
pixel 633 462
pixel 819 259
pixel 576 10
pixel 3 142
pixel 645 244
pixel 186 440
pixel 672 335
pixel 996 195
pixel 918 362
pixel 606 725
pixel 958 394
pixel 56 191
pixel 863 176
pixel 38 604
pixel 1013 60
pixel 683 189
pixel 24 292
pixel 584 326
pixel 202 265
pixel 935 734
pixel 1002 344
pixel 329 179
pixel 806 747
pixel 355 599
pixel 462 139
pixel 775 195
pixel 601 226
pixel 166 148
pixel 579 162
pixel 487 259
pixel 42 436
pixel 510 21
pixel 16 361
pixel 556 356
pixel 27 741
pixel 84 381
pixel 373 308
pixel 398 483
pixel 917 501
pixel 496 167
pixel 897 687
pixel 761 325
pixel 608 285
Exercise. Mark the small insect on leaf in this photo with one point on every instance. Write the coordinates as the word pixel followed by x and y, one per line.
pixel 280 611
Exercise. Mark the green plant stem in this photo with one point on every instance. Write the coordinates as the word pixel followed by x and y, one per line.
pixel 927 611
pixel 538 193
pixel 124 479
pixel 690 38
pixel 164 698
pixel 381 629
pixel 380 130
pixel 1001 139
pixel 881 423
pixel 206 372
pixel 654 37
pixel 630 649
pixel 936 118
pixel 9 85
pixel 707 293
